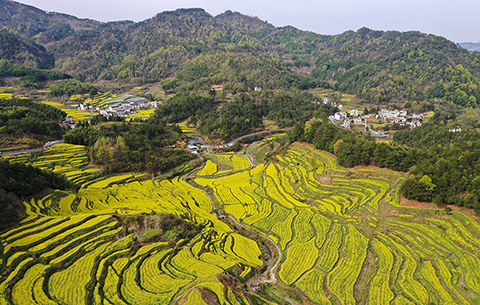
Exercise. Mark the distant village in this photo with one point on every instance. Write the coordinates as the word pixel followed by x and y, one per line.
pixel 400 117
pixel 123 106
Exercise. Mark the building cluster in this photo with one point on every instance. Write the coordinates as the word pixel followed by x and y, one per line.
pixel 70 121
pixel 347 118
pixel 122 106
pixel 127 107
pixel 86 107
pixel 400 117
pixel 458 129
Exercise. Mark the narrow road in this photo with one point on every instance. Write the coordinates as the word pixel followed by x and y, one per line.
pixel 22 152
pixel 229 144
pixel 269 275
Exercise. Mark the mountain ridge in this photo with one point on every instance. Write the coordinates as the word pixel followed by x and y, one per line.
pixel 471 46
pixel 377 66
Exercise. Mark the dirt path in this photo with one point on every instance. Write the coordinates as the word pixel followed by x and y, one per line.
pixel 269 275
pixel 290 301
pixel 27 151
pixel 249 157
pixel 430 205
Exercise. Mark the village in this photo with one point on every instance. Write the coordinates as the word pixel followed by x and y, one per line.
pixel 126 106
pixel 387 117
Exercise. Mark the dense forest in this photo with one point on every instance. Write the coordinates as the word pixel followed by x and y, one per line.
pixel 244 114
pixel 24 121
pixel 120 146
pixel 29 54
pixel 70 87
pixel 29 77
pixel 19 181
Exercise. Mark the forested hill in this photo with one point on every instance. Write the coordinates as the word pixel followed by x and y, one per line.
pixel 240 52
pixel 43 27
pixel 21 52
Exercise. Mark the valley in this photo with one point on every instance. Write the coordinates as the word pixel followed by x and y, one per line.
pixel 199 159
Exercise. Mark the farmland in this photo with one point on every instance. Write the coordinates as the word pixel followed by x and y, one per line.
pixel 185 129
pixel 342 234
pixel 77 115
pixel 224 163
pixel 74 248
pixel 67 159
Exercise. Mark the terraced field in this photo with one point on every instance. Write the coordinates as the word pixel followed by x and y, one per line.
pixel 224 164
pixel 78 115
pixel 67 159
pixel 72 249
pixel 145 113
pixel 185 129
pixel 345 239
pixel 343 235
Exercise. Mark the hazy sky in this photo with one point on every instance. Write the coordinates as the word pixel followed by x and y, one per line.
pixel 455 20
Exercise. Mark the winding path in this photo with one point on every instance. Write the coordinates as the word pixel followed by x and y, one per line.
pixel 22 152
pixel 269 275
pixel 229 144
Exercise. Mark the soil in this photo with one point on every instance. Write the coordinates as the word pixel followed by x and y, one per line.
pixel 376 168
pixel 324 179
pixel 430 205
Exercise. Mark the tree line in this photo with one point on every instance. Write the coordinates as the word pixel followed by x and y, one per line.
pixel 18 182
pixel 226 120
pixel 25 121
pixel 121 146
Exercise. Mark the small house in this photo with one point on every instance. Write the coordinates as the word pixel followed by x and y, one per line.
pixel 256 286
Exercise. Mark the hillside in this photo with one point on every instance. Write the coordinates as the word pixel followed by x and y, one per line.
pixel 43 27
pixel 309 229
pixel 241 52
pixel 183 182
pixel 21 52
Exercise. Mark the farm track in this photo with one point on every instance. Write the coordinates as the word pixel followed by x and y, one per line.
pixel 268 277
pixel 22 152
